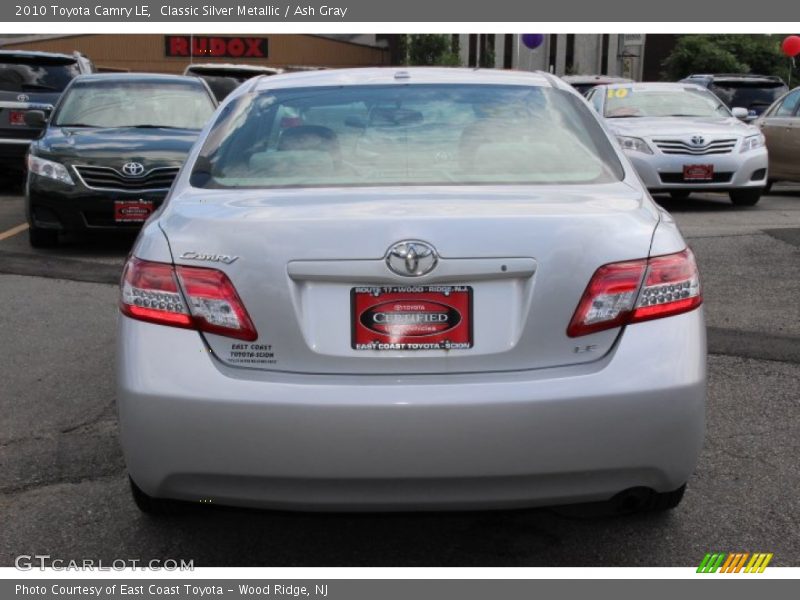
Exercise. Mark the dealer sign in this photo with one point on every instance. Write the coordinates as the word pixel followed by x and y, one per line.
pixel 215 46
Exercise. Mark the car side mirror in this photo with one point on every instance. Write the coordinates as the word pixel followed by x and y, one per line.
pixel 740 113
pixel 35 118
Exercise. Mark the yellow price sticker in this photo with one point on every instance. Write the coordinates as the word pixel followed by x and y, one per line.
pixel 618 93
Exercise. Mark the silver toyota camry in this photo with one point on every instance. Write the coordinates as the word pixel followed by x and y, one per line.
pixel 681 139
pixel 387 289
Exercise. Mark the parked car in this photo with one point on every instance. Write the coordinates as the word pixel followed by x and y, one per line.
pixel 584 83
pixel 110 151
pixel 409 288
pixel 30 81
pixel 753 92
pixel 223 78
pixel 780 125
pixel 682 139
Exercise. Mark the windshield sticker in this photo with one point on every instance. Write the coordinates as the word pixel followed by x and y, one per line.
pixel 619 92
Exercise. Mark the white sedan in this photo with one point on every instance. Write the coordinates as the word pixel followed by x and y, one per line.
pixel 682 139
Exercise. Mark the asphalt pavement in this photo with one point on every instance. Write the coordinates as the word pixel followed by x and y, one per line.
pixel 63 488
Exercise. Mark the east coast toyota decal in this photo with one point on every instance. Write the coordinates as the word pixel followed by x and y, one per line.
pixel 411 318
pixel 216 46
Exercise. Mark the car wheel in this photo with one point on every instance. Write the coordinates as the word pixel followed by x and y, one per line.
pixel 748 197
pixel 42 238
pixel 680 194
pixel 638 500
pixel 154 506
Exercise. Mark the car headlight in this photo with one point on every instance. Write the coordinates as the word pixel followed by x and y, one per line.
pixel 634 143
pixel 752 142
pixel 49 169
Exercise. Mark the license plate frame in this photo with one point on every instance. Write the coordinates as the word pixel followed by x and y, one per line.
pixel 697 172
pixel 133 211
pixel 411 318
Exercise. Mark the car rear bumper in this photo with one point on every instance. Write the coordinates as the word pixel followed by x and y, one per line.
pixel 194 429
pixel 733 171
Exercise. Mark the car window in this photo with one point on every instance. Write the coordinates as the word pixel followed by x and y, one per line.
pixel 135 103
pixel 756 96
pixel 662 102
pixel 222 85
pixel 407 135
pixel 583 88
pixel 788 106
pixel 21 74
pixel 596 99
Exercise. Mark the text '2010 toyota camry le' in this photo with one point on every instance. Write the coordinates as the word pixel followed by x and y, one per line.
pixel 392 289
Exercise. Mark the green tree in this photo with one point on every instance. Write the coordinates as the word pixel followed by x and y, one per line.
pixel 430 49
pixel 727 53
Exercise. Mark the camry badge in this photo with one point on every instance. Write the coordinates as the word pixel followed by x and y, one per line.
pixel 411 258
pixel 223 258
pixel 133 169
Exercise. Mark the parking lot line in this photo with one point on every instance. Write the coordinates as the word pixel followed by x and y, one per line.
pixel 13 231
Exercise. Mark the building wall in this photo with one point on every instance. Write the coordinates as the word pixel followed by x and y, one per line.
pixel 623 59
pixel 146 52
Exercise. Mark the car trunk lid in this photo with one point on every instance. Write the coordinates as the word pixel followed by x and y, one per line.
pixel 513 261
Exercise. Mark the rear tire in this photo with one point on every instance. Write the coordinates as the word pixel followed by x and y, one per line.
pixel 42 238
pixel 154 506
pixel 680 194
pixel 747 197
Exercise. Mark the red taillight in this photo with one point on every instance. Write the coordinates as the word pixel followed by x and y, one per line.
pixel 152 292
pixel 639 290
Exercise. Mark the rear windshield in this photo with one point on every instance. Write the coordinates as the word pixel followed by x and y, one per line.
pixel 222 84
pixel 135 104
pixel 405 135
pixel 749 95
pixel 583 88
pixel 20 74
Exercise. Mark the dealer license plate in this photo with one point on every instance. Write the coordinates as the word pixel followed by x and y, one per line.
pixel 132 211
pixel 698 172
pixel 435 317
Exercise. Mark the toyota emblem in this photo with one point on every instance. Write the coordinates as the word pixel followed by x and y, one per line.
pixel 698 140
pixel 411 258
pixel 23 98
pixel 133 169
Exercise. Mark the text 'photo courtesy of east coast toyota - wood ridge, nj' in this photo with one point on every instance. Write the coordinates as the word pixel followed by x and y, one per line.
pixel 307 287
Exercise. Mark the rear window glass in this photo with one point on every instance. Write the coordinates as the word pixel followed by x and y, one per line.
pixel 749 95
pixel 35 75
pixel 406 135
pixel 222 85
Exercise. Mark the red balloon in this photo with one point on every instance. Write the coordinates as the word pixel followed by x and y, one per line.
pixel 791 46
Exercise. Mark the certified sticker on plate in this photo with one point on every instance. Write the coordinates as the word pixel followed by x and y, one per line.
pixel 437 317
pixel 132 211
pixel 698 172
